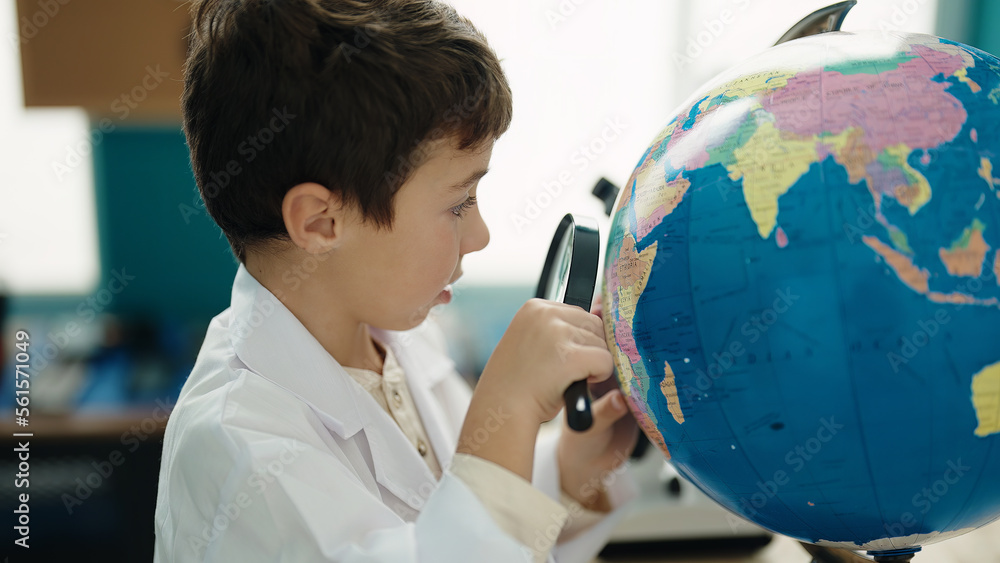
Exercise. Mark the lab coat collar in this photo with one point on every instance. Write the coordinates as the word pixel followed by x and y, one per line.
pixel 274 344
pixel 271 341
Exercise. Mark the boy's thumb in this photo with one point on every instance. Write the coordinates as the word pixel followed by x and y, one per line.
pixel 608 409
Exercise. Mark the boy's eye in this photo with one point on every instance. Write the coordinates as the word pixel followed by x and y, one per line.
pixel 460 209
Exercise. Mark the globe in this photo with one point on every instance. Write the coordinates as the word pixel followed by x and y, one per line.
pixel 801 285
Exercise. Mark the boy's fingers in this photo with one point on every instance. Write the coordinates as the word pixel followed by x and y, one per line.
pixel 594 362
pixel 600 389
pixel 592 323
pixel 582 319
pixel 608 409
pixel 597 308
pixel 584 337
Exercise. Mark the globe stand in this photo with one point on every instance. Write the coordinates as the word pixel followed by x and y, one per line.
pixel 895 556
pixel 823 20
pixel 830 555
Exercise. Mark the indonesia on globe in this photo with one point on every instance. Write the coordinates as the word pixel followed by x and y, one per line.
pixel 802 292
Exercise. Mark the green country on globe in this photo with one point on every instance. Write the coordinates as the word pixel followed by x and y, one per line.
pixel 802 293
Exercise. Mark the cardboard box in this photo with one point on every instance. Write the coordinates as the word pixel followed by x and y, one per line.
pixel 116 58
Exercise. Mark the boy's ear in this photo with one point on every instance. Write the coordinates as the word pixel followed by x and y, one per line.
pixel 314 217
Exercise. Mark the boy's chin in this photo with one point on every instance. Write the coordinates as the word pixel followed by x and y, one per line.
pixel 418 316
pixel 415 319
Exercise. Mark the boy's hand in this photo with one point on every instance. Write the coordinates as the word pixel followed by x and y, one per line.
pixel 547 346
pixel 584 457
pixel 587 457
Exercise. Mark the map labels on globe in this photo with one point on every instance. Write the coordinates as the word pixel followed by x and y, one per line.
pixel 802 289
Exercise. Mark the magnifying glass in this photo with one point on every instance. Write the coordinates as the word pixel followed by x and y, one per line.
pixel 570 276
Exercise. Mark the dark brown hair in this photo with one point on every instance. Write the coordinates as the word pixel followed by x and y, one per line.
pixel 344 93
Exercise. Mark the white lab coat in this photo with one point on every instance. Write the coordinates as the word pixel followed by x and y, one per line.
pixel 274 453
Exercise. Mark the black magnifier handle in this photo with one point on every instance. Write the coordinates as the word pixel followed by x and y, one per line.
pixel 579 417
pixel 570 276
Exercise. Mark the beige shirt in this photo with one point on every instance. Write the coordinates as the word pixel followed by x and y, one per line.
pixel 521 510
pixel 391 392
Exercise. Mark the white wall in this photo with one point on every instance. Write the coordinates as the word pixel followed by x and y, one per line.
pixel 575 64
pixel 48 233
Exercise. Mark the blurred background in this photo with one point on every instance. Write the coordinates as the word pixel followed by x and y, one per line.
pixel 111 265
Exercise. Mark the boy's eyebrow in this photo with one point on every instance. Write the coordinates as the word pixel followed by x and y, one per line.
pixel 472 179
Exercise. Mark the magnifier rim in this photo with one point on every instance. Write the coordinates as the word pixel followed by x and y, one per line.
pixel 583 249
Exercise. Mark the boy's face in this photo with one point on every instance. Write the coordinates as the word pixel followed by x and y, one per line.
pixel 399 274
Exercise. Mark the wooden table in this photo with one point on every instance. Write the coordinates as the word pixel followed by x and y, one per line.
pixel 92 482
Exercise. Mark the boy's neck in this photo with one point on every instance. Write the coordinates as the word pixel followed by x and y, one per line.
pixel 347 339
pixel 364 352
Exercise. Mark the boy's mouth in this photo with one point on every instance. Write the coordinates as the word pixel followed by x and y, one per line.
pixel 447 293
pixel 445 296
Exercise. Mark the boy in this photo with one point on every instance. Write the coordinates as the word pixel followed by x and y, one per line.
pixel 322 420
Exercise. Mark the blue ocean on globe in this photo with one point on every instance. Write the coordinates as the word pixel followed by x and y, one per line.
pixel 802 295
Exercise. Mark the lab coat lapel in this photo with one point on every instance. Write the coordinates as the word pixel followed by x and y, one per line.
pixel 273 343
pixel 398 466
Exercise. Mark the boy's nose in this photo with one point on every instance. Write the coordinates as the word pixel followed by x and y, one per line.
pixel 477 234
